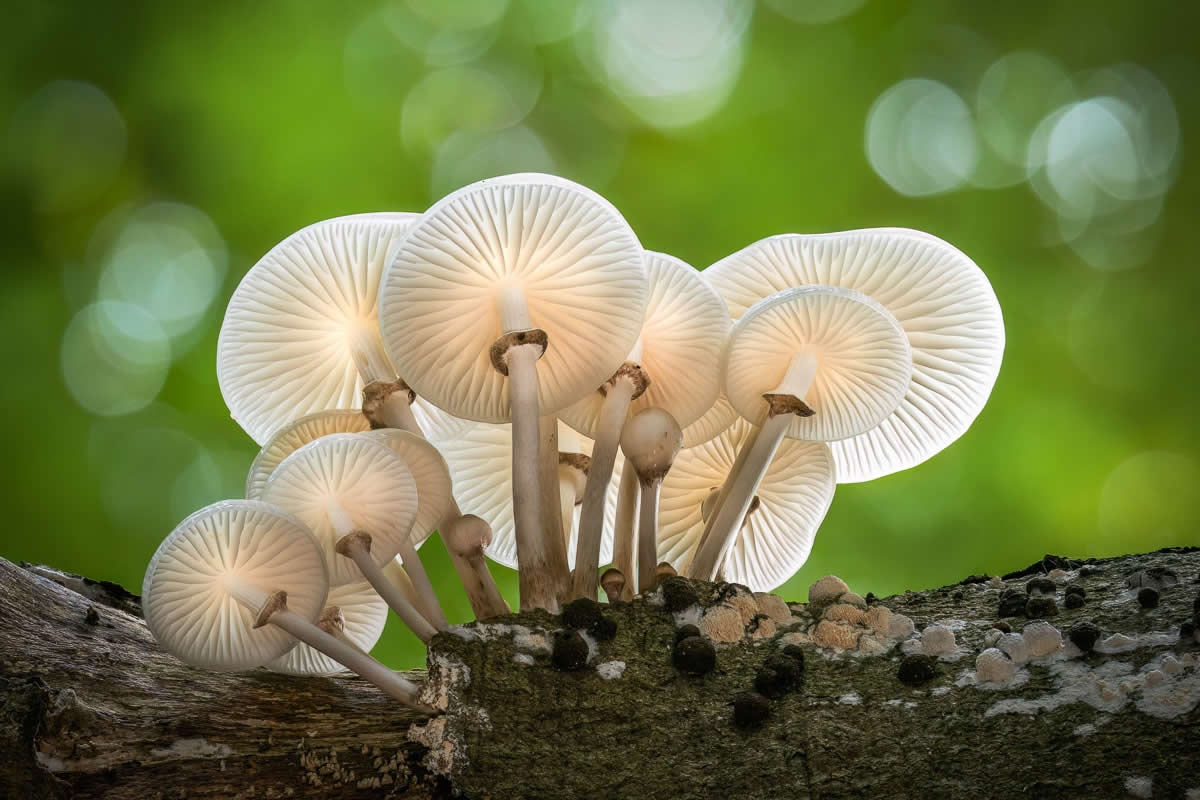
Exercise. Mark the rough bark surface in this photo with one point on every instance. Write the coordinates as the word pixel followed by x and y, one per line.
pixel 91 707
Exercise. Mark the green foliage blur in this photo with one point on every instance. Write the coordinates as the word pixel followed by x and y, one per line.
pixel 156 151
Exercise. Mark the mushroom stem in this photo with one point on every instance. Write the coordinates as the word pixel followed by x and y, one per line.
pixel 650 442
pixel 431 609
pixel 566 501
pixel 628 382
pixel 465 536
pixel 271 609
pixel 556 538
pixel 387 404
pixel 356 545
pixel 647 557
pixel 627 511
pixel 715 500
pixel 366 349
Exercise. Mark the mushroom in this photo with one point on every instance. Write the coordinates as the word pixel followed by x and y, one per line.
pixel 613 583
pixel 237 583
pixel 512 298
pixel 684 329
pixel 650 442
pixel 301 334
pixel 573 466
pixel 295 434
pixel 624 524
pixel 360 500
pixel 466 537
pixel 354 613
pixel 939 296
pixel 817 363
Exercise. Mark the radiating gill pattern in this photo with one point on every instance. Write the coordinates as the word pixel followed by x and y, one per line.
pixel 184 595
pixel 295 435
pixel 365 479
pixel 682 336
pixel 429 472
pixel 863 359
pixel 364 613
pixel 777 536
pixel 714 422
pixel 940 297
pixel 481 462
pixel 570 252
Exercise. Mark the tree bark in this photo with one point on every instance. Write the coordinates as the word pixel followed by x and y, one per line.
pixel 91 707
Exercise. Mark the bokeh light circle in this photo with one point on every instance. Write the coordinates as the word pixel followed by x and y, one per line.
pixel 115 358
pixel 921 138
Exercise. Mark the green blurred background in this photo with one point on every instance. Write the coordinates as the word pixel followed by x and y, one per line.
pixel 156 151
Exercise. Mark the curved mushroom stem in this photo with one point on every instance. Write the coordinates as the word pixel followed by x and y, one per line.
pixel 357 546
pixel 271 609
pixel 627 512
pixel 465 536
pixel 715 500
pixel 555 537
pixel 431 609
pixel 396 575
pixel 626 384
pixel 647 557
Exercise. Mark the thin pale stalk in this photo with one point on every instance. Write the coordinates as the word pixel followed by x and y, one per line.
pixel 556 544
pixel 738 462
pixel 431 609
pixel 396 412
pixel 627 511
pixel 535 577
pixel 727 520
pixel 591 516
pixel 648 536
pixel 566 506
pixel 351 547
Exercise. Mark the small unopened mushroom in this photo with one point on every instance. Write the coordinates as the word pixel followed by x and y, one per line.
pixel 359 499
pixel 354 613
pixel 818 363
pixel 466 537
pixel 613 582
pixel 650 442
pixel 237 583
pixel 663 570
pixel 493 278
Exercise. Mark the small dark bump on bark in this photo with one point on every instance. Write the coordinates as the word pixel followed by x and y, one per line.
pixel 92 617
pixel 1012 603
pixel 1075 588
pixel 794 652
pixel 871 599
pixel 1073 600
pixel 694 655
pixel 604 629
pixel 1187 631
pixel 581 614
pixel 1147 597
pixel 974 579
pixel 1040 587
pixel 1002 626
pixel 678 593
pixel 777 676
pixel 957 596
pixel 750 710
pixel 1084 635
pixel 570 651
pixel 916 669
pixel 685 631
pixel 1041 607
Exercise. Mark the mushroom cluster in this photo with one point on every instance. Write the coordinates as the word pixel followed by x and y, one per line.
pixel 512 369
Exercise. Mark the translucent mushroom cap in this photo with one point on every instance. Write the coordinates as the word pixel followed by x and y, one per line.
pixel 777 535
pixel 713 423
pixel 346 482
pixel 682 335
pixel 565 248
pixel 187 597
pixel 941 298
pixel 861 358
pixel 429 471
pixel 481 462
pixel 285 348
pixel 363 613
pixel 295 435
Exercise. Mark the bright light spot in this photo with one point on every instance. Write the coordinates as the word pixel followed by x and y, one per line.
pixel 466 99
pixel 921 138
pixel 69 140
pixel 1150 497
pixel 115 358
pixel 673 62
pixel 467 157
pixel 815 12
pixel 167 259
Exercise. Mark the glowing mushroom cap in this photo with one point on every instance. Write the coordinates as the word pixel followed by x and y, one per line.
pixel 778 534
pixel 683 333
pixel 429 471
pixel 346 482
pixel 564 248
pixel 186 595
pixel 286 347
pixel 940 297
pixel 481 462
pixel 715 421
pixel 860 356
pixel 363 614
pixel 295 435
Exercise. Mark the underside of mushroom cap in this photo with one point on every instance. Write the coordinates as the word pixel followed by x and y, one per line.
pixel 565 249
pixel 713 423
pixel 295 435
pixel 941 298
pixel 352 475
pixel 186 597
pixel 778 533
pixel 863 363
pixel 481 462
pixel 285 348
pixel 682 335
pixel 364 613
pixel 429 471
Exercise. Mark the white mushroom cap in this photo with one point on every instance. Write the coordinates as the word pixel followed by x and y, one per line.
pixel 940 297
pixel 295 435
pixel 429 471
pixel 287 343
pixel 363 614
pixel 715 421
pixel 682 336
pixel 481 462
pixel 346 482
pixel 777 535
pixel 859 356
pixel 186 594
pixel 562 249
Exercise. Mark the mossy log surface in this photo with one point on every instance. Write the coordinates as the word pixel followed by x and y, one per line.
pixel 91 707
